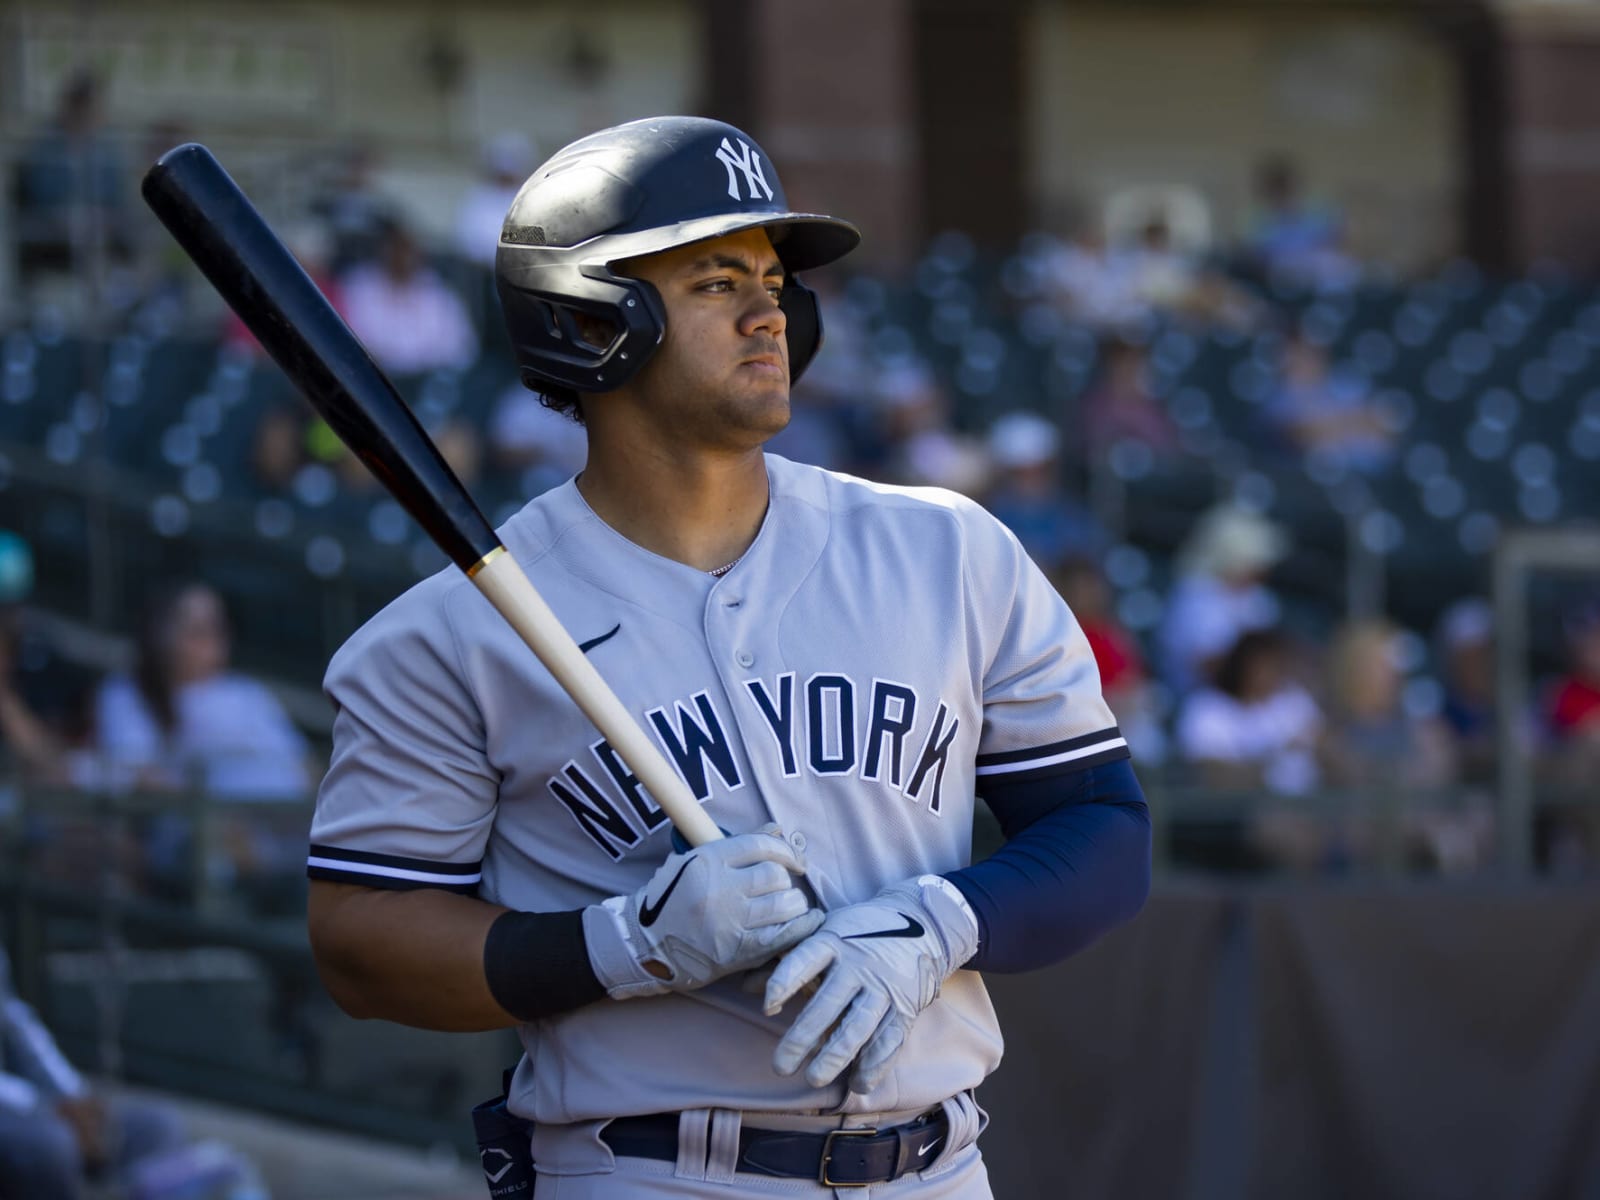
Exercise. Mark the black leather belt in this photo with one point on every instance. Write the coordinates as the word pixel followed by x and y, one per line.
pixel 838 1158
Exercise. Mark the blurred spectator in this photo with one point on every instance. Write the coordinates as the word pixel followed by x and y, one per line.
pixel 43 692
pixel 1123 678
pixel 460 445
pixel 920 446
pixel 1254 726
pixel 1574 709
pixel 72 187
pixel 184 719
pixel 1375 747
pixel 1328 415
pixel 57 1135
pixel 1120 404
pixel 1094 284
pixel 1175 281
pixel 356 213
pixel 508 159
pixel 1293 242
pixel 1465 642
pixel 277 449
pixel 1373 742
pixel 528 437
pixel 1220 593
pixel 312 246
pixel 32 682
pixel 404 313
pixel 1027 495
pixel 1570 835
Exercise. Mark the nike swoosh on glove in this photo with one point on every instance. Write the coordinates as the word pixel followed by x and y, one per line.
pixel 723 907
pixel 885 960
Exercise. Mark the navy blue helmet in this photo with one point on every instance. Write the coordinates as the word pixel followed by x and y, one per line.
pixel 634 189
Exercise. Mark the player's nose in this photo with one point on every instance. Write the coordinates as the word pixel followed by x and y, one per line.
pixel 763 315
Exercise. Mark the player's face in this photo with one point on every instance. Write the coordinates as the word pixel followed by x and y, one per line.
pixel 722 371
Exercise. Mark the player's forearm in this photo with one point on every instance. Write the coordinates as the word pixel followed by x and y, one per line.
pixel 415 957
pixel 1063 878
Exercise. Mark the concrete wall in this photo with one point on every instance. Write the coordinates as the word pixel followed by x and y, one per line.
pixel 426 82
pixel 1366 104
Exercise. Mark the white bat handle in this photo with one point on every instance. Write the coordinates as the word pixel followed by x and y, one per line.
pixel 508 588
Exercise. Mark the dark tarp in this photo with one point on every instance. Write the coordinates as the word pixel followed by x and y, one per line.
pixel 1359 1041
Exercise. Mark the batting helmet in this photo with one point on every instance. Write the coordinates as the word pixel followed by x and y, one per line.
pixel 635 189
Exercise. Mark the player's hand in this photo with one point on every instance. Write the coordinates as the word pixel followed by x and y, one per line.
pixel 885 960
pixel 711 911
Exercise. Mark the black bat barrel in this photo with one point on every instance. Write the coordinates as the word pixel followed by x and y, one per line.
pixel 254 272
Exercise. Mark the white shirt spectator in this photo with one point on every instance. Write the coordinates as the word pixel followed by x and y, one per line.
pixel 1278 733
pixel 232 738
pixel 1097 285
pixel 1204 618
pixel 479 220
pixel 417 325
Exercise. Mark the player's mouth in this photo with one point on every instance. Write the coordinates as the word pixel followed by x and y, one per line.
pixel 766 364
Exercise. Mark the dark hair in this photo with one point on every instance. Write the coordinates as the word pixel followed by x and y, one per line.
pixel 1251 647
pixel 152 672
pixel 564 401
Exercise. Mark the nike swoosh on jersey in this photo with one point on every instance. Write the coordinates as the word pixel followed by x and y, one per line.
pixel 604 637
pixel 911 928
pixel 649 912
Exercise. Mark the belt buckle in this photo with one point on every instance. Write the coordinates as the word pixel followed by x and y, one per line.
pixel 827 1156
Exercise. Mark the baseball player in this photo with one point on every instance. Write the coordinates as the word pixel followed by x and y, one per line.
pixel 836 669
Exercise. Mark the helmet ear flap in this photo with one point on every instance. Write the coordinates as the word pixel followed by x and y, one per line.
pixel 804 325
pixel 543 305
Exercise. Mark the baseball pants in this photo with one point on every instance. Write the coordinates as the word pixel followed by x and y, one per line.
pixel 577 1165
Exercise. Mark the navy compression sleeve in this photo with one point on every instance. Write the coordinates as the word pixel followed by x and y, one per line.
pixel 1075 864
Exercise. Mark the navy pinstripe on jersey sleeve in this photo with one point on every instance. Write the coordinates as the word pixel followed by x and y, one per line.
pixel 1040 762
pixel 392 871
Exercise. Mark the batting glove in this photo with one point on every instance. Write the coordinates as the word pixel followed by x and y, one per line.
pixel 708 912
pixel 885 961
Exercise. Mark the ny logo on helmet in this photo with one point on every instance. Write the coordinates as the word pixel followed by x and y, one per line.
pixel 747 161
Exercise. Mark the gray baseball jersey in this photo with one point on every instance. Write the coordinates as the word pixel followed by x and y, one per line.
pixel 876 655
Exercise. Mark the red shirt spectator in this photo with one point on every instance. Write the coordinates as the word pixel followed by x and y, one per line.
pixel 1576 705
pixel 1115 653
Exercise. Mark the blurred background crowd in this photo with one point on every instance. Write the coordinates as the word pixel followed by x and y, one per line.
pixel 1312 458
pixel 1267 475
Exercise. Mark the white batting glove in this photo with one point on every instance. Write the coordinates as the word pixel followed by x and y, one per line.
pixel 716 909
pixel 885 960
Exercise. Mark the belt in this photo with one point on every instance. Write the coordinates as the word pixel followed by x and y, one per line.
pixel 838 1158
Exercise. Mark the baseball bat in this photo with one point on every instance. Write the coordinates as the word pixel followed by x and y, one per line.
pixel 231 243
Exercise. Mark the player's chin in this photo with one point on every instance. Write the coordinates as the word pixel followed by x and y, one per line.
pixel 764 402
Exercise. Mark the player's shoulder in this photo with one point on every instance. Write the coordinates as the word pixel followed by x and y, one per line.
pixel 430 612
pixel 420 615
pixel 845 495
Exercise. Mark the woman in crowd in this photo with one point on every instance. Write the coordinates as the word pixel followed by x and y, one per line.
pixel 181 721
pixel 1254 729
pixel 184 719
